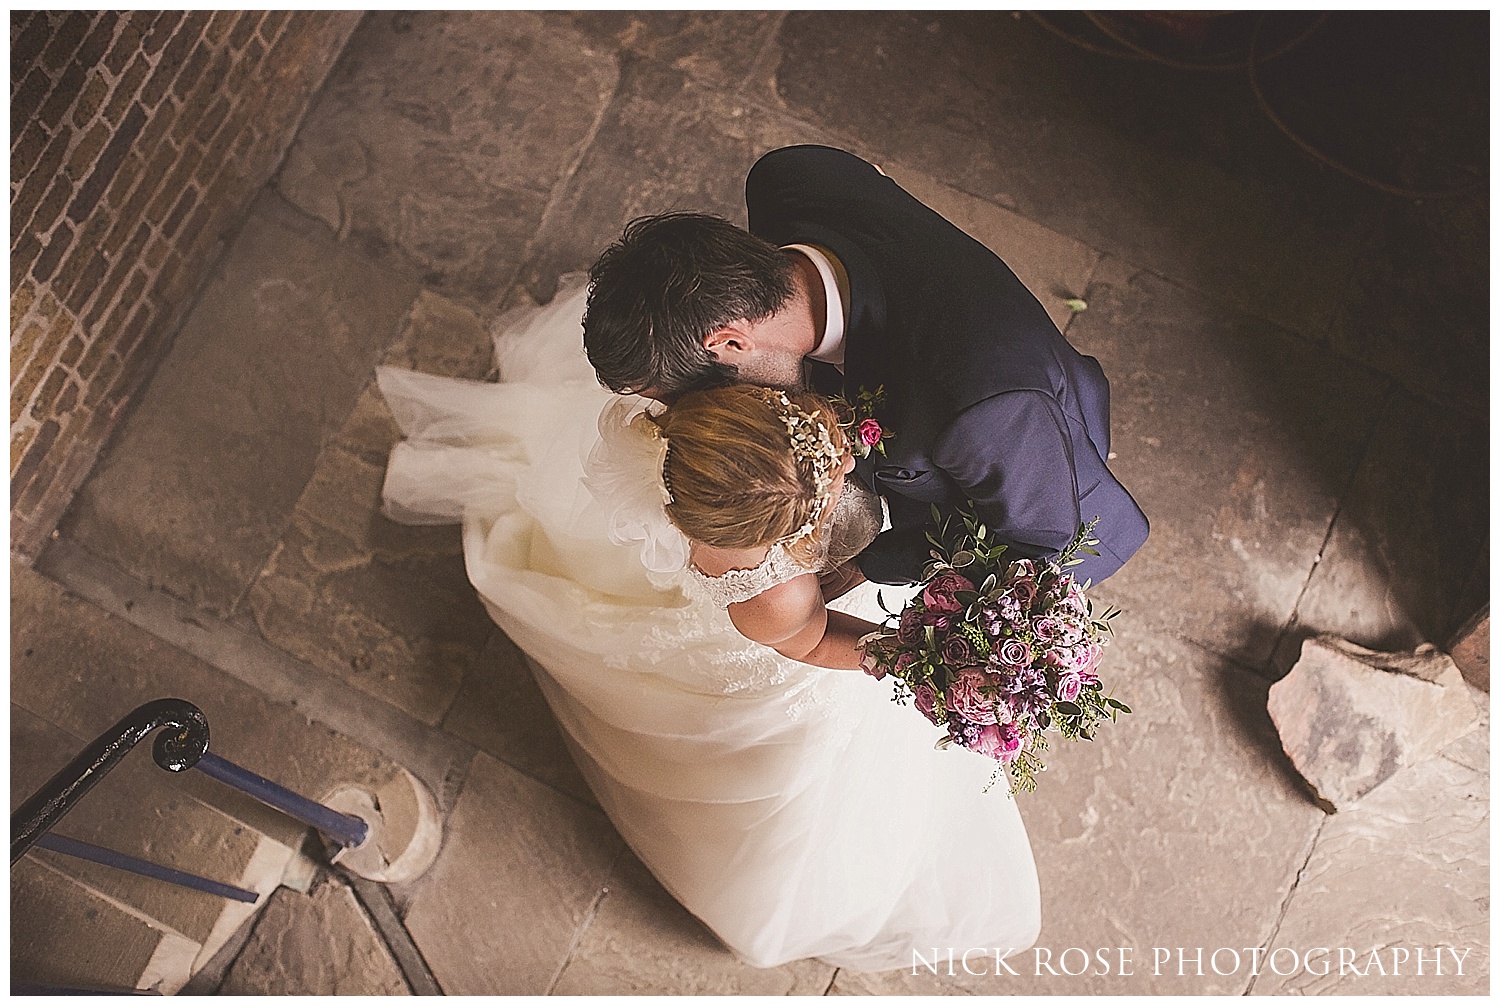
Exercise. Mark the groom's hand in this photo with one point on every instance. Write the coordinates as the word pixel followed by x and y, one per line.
pixel 840 580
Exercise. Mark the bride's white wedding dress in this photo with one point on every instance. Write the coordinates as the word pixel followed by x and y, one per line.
pixel 797 811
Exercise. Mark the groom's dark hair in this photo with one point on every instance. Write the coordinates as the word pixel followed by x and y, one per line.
pixel 664 286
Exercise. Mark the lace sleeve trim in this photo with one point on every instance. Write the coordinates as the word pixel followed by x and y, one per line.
pixel 738 585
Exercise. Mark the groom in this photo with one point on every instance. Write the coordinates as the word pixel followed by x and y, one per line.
pixel 848 283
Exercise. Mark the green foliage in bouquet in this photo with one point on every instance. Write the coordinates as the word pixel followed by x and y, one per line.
pixel 999 651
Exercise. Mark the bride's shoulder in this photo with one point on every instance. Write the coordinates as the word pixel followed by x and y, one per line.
pixel 716 562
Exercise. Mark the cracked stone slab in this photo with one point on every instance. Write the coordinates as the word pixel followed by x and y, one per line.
pixel 384 607
pixel 1180 173
pixel 315 944
pixel 1237 440
pixel 197 486
pixel 665 143
pixel 518 878
pixel 124 951
pixel 1350 718
pixel 1470 649
pixel 438 139
pixel 500 710
pixel 1406 868
pixel 1418 308
pixel 642 942
pixel 1133 833
pixel 716 47
pixel 1406 560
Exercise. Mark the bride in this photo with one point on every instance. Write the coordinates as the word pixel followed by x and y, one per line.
pixel 660 570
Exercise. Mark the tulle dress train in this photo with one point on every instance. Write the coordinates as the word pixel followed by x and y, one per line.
pixel 798 812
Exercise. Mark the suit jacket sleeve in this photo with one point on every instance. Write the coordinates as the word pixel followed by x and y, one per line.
pixel 1012 456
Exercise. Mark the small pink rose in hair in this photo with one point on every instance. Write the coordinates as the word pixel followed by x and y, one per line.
pixel 870 432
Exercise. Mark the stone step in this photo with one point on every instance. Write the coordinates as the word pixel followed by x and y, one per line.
pixel 80 669
pixel 75 670
pixel 64 935
pixel 142 811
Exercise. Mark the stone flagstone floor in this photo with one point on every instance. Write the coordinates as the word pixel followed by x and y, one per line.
pixel 1300 392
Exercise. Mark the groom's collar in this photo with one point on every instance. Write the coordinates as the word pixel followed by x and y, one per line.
pixel 836 295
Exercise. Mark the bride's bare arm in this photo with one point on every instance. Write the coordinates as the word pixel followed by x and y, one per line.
pixel 793 620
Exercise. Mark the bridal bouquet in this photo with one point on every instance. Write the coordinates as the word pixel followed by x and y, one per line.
pixel 999 652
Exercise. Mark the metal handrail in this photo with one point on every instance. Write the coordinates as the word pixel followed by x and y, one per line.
pixel 175 750
pixel 342 828
pixel 65 846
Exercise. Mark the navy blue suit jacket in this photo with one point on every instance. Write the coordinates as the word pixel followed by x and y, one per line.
pixel 985 399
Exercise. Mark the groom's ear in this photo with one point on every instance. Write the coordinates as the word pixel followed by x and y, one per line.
pixel 727 342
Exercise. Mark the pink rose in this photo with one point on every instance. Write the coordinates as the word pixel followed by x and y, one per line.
pixel 870 663
pixel 964 696
pixel 1001 741
pixel 1014 653
pixel 1092 653
pixel 1068 686
pixel 938 595
pixel 869 432
pixel 925 699
pixel 1048 628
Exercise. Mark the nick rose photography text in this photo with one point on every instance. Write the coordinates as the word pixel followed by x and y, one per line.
pixel 1075 962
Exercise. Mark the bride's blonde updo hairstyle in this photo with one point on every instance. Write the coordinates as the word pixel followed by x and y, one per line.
pixel 732 473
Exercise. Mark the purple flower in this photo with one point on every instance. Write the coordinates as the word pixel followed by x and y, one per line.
pixel 966 697
pixel 925 699
pixel 989 622
pixel 902 660
pixel 1011 610
pixel 1015 653
pixel 1022 592
pixel 1073 631
pixel 938 595
pixel 1003 711
pixel 909 631
pixel 957 650
pixel 1074 601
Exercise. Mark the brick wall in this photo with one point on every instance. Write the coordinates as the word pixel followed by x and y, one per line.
pixel 138 140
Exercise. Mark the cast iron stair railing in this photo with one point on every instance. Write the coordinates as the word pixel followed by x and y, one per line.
pixel 182 745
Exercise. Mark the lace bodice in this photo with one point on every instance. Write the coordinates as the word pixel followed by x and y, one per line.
pixel 857 519
pixel 742 584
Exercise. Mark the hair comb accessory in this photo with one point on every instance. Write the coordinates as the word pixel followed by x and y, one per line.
pixel 663 446
pixel 810 442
